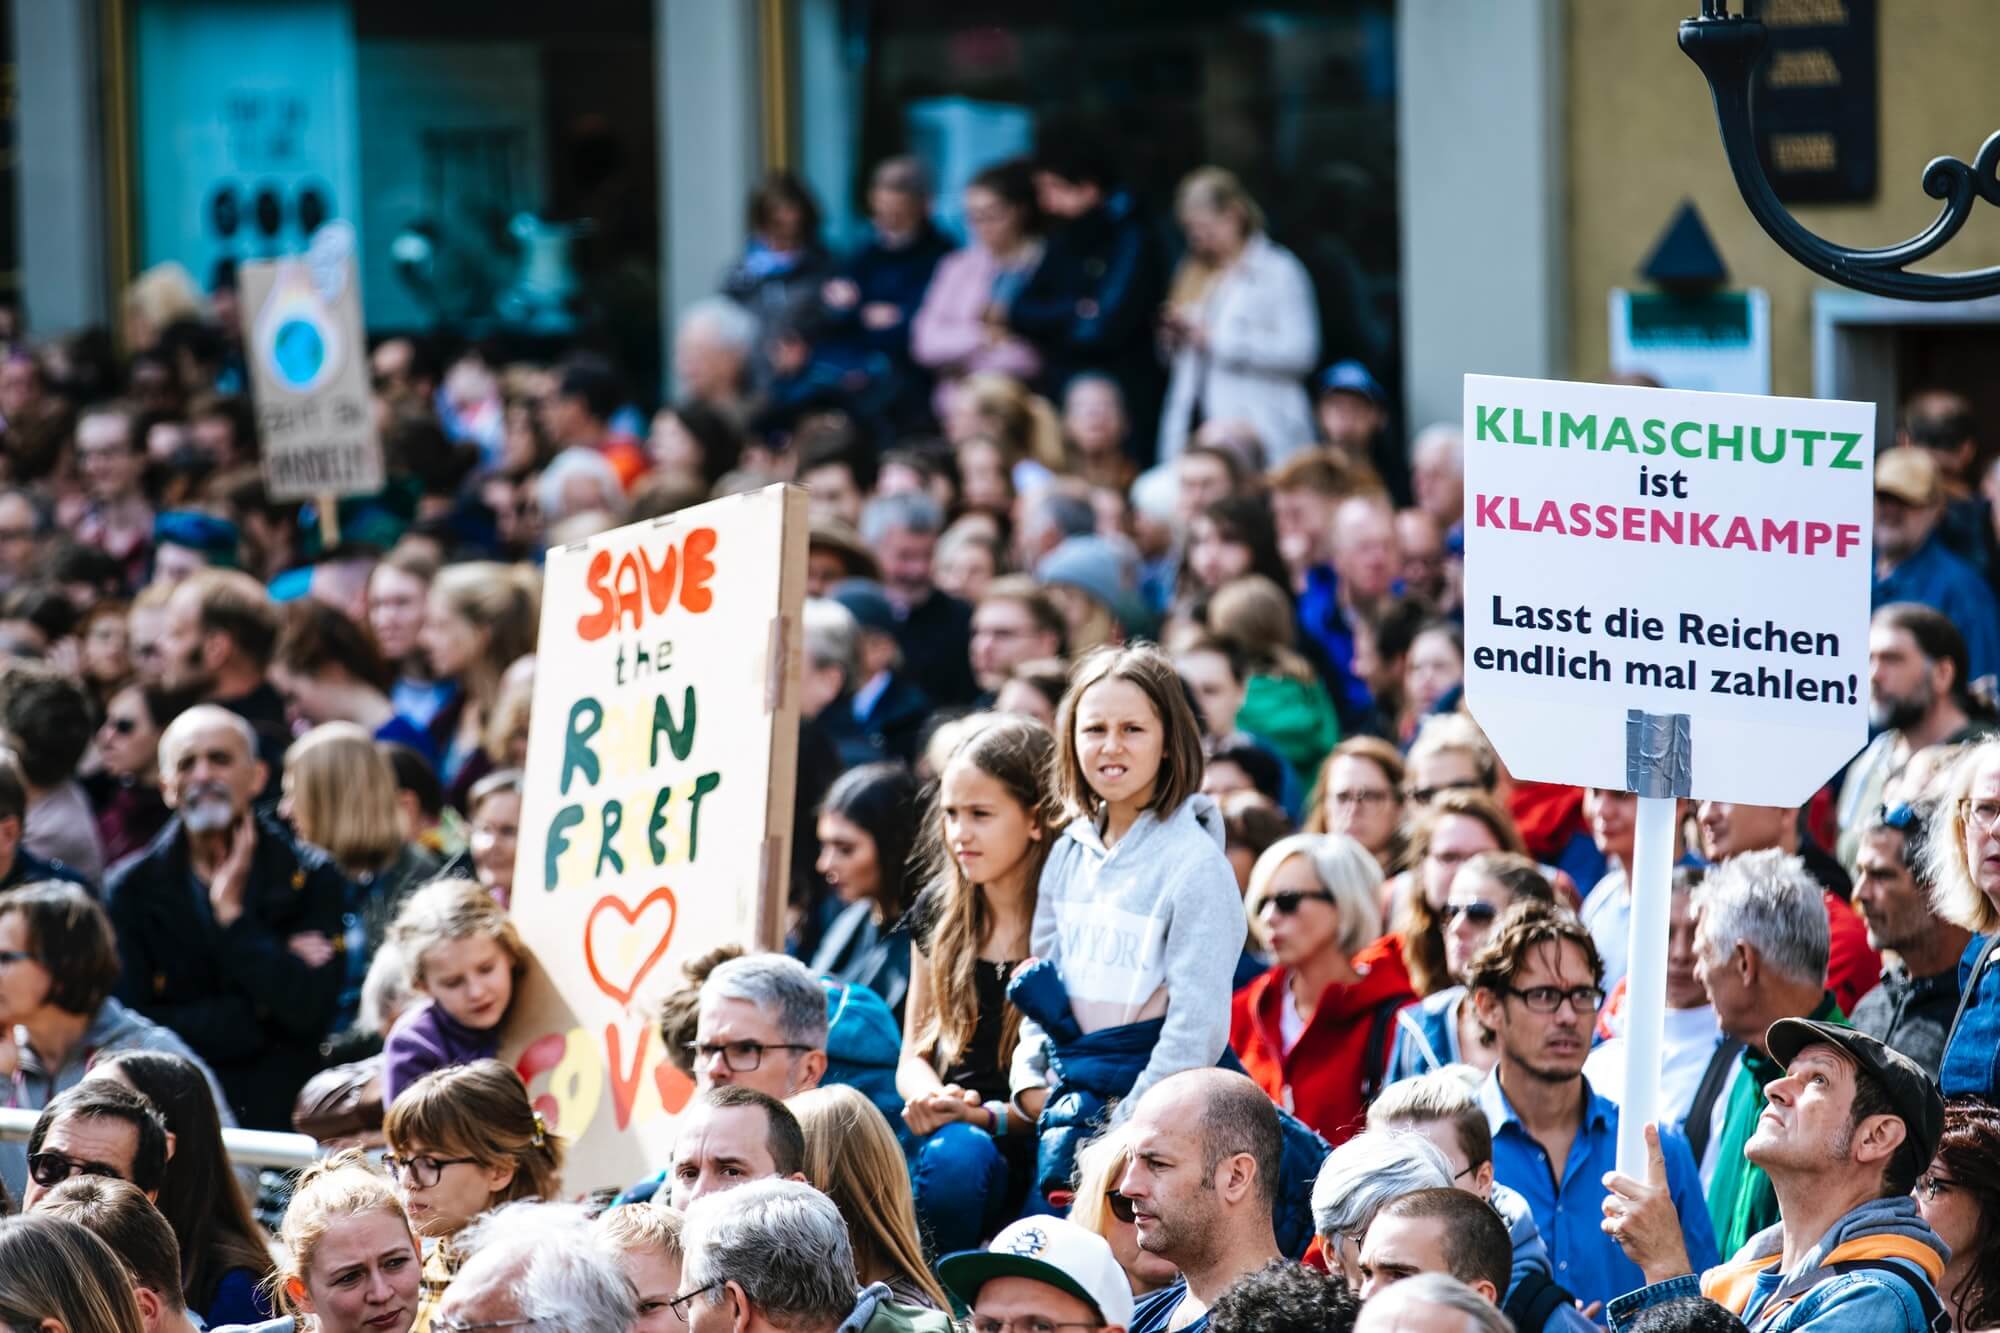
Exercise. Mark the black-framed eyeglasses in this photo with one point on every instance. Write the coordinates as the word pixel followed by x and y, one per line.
pixel 1931 1184
pixel 1120 1206
pixel 1425 795
pixel 1287 900
pixel 1463 1173
pixel 681 1302
pixel 424 1169
pixel 1478 913
pixel 49 1169
pixel 11 956
pixel 1026 1323
pixel 1548 999
pixel 740 1056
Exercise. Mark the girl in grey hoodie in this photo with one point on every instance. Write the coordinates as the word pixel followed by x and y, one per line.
pixel 1138 908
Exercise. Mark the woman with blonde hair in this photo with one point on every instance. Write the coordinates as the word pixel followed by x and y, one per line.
pixel 1100 1208
pixel 1241 323
pixel 340 794
pixel 481 618
pixel 154 301
pixel 1962 856
pixel 57 1277
pixel 1315 1031
pixel 347 1261
pixel 852 1158
pixel 462 1141
pixel 1024 424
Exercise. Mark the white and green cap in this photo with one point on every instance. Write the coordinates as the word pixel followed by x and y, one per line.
pixel 1047 1249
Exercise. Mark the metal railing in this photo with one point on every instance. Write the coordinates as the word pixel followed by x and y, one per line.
pixel 246 1147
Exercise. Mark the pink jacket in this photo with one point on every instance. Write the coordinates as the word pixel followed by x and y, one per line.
pixel 949 334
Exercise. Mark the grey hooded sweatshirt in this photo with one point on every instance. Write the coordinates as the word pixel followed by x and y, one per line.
pixel 1149 928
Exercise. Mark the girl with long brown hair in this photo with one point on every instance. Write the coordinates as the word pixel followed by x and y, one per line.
pixel 991 829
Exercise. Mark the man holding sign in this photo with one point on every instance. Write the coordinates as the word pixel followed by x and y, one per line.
pixel 1667 593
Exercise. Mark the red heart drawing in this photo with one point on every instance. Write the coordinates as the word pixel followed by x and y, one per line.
pixel 621 953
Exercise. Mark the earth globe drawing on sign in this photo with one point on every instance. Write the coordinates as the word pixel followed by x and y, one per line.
pixel 298 344
pixel 298 351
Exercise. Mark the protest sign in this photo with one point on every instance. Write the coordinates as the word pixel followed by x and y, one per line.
pixel 308 360
pixel 1695 554
pixel 1666 592
pixel 656 812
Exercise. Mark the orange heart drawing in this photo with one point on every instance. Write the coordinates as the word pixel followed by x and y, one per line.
pixel 628 956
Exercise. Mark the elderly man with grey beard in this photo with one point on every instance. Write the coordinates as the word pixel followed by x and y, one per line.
pixel 225 922
pixel 537 1265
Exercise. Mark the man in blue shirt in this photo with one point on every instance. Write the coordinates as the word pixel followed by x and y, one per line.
pixel 1912 563
pixel 1537 988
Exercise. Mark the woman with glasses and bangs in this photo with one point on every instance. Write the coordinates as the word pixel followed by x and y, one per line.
pixel 462 1141
pixel 1443 1029
pixel 1960 1197
pixel 1962 861
pixel 1315 1031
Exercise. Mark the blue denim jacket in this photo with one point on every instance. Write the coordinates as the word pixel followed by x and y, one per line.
pixel 1972 1051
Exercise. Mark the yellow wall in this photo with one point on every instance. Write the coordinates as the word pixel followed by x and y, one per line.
pixel 1642 137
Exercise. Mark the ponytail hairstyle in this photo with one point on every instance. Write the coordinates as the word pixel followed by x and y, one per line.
pixel 1023 423
pixel 881 801
pixel 1018 753
pixel 480 1110
pixel 329 1191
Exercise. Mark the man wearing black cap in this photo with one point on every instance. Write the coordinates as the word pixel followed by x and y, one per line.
pixel 1847 1130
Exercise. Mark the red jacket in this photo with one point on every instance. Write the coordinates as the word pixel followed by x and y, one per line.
pixel 1321 1080
pixel 1852 968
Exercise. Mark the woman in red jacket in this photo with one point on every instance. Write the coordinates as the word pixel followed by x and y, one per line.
pixel 1316 1030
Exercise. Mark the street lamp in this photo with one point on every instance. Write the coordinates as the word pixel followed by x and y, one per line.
pixel 1728 49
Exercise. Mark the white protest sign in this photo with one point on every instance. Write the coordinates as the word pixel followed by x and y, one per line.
pixel 308 361
pixel 656 813
pixel 1700 554
pixel 1666 592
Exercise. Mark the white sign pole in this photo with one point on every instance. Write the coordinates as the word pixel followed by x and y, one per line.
pixel 1651 875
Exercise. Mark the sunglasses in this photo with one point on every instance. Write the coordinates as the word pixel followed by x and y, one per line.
pixel 1121 1207
pixel 1478 913
pixel 121 726
pixel 1287 901
pixel 49 1169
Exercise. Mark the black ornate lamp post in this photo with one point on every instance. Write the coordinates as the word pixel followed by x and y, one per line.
pixel 1728 49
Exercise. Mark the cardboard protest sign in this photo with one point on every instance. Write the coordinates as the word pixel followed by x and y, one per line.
pixel 1695 554
pixel 308 361
pixel 657 809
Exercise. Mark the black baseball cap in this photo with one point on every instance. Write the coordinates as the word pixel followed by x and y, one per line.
pixel 1910 1089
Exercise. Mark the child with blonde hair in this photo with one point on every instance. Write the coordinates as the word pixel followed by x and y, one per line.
pixel 462 954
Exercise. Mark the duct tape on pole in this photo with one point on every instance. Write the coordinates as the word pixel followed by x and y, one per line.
pixel 1666 592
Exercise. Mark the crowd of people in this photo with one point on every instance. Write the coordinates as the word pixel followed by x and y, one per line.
pixel 1168 949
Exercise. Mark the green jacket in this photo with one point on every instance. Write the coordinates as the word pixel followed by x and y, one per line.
pixel 875 1312
pixel 1293 717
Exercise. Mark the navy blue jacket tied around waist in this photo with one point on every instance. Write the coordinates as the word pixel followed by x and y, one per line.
pixel 1089 1071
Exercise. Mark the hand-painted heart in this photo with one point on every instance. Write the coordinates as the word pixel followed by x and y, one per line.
pixel 632 939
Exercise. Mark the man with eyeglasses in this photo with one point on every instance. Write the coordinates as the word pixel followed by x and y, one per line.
pixel 1849 1128
pixel 1911 1011
pixel 775 1255
pixel 1537 987
pixel 1040 1275
pixel 761 1024
pixel 97 1129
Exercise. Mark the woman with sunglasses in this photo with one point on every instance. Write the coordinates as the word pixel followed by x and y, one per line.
pixel 1315 1031
pixel 1100 1208
pixel 461 1141
pixel 1960 1197
pixel 1442 1029
pixel 124 790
